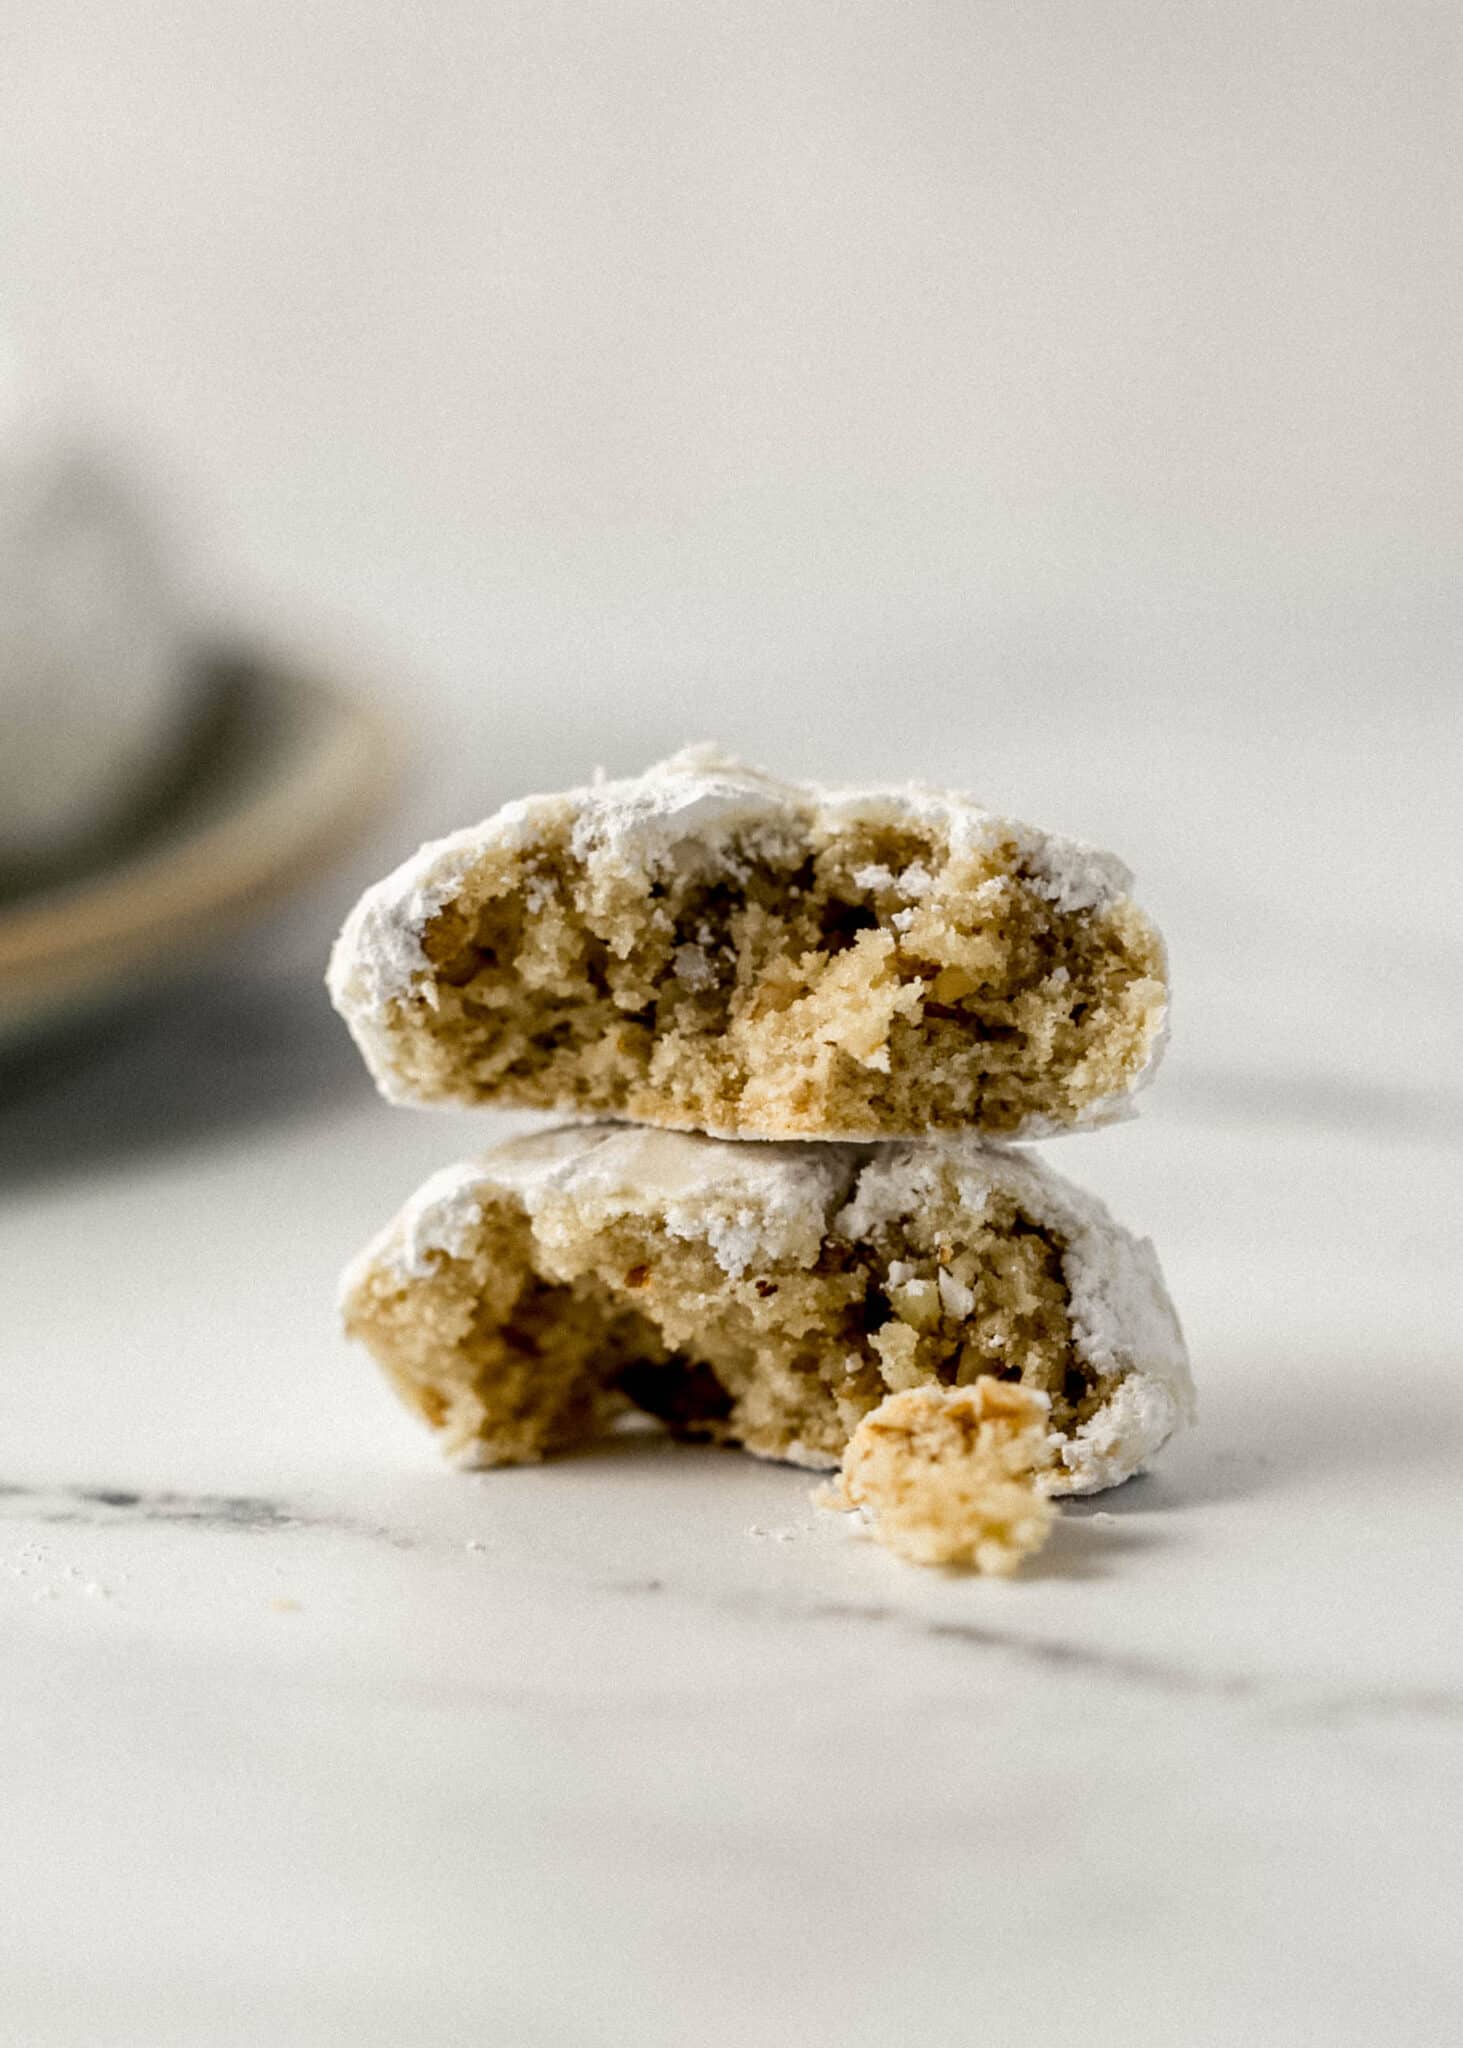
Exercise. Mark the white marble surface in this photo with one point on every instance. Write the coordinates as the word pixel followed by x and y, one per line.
pixel 310 1740
pixel 1054 400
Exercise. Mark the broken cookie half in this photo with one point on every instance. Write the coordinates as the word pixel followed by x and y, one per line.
pixel 767 1295
pixel 707 948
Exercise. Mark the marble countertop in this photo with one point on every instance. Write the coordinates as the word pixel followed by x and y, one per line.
pixel 1049 401
pixel 310 1740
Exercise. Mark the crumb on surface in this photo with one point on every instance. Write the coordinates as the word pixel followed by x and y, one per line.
pixel 949 1476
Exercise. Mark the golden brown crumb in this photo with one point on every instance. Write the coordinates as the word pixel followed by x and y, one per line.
pixel 948 1475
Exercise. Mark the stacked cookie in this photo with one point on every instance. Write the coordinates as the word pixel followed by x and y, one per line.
pixel 797 1029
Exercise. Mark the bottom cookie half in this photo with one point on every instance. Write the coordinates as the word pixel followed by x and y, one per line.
pixel 766 1295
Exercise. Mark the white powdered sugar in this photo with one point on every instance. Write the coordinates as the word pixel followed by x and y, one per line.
pixel 752 1202
pixel 440 1219
pixel 955 1299
pixel 378 956
pixel 749 1202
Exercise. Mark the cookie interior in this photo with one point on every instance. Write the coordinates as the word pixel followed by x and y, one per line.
pixel 947 1475
pixel 540 1332
pixel 872 984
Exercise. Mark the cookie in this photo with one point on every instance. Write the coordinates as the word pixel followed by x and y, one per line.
pixel 768 1295
pixel 706 948
pixel 952 1475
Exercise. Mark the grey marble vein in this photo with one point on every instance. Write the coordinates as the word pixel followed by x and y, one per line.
pixel 107 1506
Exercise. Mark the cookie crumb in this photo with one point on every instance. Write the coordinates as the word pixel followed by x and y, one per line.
pixel 949 1475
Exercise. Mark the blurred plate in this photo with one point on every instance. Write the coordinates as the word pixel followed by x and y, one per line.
pixel 285 774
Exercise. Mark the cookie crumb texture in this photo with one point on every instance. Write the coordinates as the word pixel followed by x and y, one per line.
pixel 771 1296
pixel 705 948
pixel 949 1475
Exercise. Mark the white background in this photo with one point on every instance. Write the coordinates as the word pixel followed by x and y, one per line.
pixel 1060 400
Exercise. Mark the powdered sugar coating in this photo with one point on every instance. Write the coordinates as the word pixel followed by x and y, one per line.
pixel 747 1201
pixel 681 815
pixel 752 1201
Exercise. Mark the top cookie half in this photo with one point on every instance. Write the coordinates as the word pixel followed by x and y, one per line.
pixel 707 948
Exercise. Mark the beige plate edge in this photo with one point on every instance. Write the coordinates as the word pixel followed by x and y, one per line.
pixel 68 944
